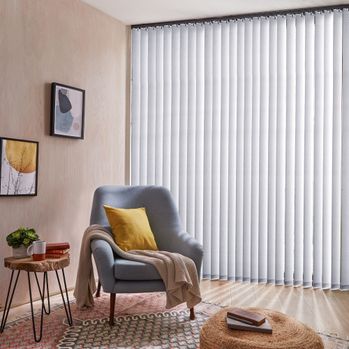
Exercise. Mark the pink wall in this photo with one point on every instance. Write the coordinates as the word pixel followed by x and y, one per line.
pixel 69 42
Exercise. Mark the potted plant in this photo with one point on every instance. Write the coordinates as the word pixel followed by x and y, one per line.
pixel 20 239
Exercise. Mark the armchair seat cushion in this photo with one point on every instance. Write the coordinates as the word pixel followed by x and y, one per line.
pixel 134 271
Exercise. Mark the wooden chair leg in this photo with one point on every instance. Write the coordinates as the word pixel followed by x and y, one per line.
pixel 112 309
pixel 192 314
pixel 98 293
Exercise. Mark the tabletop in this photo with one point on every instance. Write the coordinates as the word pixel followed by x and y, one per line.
pixel 27 264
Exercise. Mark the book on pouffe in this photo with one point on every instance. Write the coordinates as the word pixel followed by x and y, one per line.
pixel 246 316
pixel 242 326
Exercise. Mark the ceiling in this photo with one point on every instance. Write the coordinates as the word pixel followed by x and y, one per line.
pixel 151 11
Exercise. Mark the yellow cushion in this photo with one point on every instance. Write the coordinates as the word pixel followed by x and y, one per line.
pixel 131 229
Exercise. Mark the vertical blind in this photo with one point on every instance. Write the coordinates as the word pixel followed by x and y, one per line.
pixel 247 123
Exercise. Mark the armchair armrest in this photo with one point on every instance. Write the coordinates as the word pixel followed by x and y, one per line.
pixel 104 258
pixel 186 245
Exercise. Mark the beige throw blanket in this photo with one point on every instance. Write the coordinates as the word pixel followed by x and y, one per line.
pixel 177 271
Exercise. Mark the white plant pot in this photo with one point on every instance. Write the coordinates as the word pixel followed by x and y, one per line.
pixel 19 252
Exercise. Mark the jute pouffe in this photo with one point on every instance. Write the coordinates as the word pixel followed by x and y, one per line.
pixel 287 334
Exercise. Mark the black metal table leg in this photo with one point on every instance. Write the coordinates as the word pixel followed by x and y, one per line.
pixel 65 301
pixel 27 265
pixel 42 295
pixel 8 301
pixel 42 306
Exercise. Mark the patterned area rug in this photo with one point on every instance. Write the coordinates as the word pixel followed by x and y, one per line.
pixel 141 321
pixel 162 330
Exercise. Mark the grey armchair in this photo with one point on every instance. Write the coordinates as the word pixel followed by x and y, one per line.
pixel 117 275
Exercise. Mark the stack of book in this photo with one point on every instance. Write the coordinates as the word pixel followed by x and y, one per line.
pixel 245 320
pixel 57 249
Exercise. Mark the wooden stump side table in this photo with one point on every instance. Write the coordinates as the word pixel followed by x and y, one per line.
pixel 30 266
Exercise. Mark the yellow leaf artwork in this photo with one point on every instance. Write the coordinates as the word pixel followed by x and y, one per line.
pixel 18 167
pixel 21 156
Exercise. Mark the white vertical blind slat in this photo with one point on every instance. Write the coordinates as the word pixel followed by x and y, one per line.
pixel 224 154
pixel 318 148
pixel 216 151
pixel 199 137
pixel 135 100
pixel 207 226
pixel 175 111
pixel 232 150
pixel 191 136
pixel 183 124
pixel 345 160
pixel 143 124
pixel 166 180
pixel 290 148
pixel 247 152
pixel 151 119
pixel 263 160
pixel 337 149
pixel 299 151
pixel 256 78
pixel 281 151
pixel 240 149
pixel 327 155
pixel 159 100
pixel 272 147
pixel 309 110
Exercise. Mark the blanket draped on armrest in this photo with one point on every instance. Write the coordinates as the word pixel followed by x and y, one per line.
pixel 178 272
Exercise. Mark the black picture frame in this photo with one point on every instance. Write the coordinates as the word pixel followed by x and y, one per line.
pixel 67 111
pixel 13 181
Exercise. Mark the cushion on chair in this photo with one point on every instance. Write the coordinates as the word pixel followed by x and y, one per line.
pixel 131 228
pixel 135 271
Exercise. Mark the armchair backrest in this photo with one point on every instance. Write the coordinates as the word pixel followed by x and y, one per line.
pixel 160 207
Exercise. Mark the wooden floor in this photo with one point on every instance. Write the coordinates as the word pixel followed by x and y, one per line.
pixel 326 311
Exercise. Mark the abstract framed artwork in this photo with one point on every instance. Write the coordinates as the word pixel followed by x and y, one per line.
pixel 18 167
pixel 67 111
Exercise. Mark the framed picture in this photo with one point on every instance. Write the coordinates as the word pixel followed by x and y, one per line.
pixel 67 111
pixel 18 167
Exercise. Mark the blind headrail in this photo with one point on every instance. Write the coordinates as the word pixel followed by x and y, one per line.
pixel 244 16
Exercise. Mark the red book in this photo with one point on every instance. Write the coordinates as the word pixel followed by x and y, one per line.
pixel 53 255
pixel 57 246
pixel 58 251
